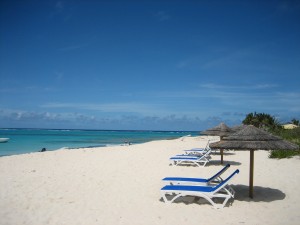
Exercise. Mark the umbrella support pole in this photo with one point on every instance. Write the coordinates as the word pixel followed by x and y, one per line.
pixel 251 173
pixel 221 151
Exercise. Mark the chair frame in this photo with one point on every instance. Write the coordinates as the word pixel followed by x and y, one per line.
pixel 200 161
pixel 215 179
pixel 222 190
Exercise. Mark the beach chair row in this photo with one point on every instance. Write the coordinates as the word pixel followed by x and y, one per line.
pixel 196 156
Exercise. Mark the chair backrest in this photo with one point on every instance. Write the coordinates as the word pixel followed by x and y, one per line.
pixel 207 152
pixel 207 145
pixel 224 182
pixel 219 173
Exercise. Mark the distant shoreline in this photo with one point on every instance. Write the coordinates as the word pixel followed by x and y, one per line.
pixel 26 140
pixel 74 129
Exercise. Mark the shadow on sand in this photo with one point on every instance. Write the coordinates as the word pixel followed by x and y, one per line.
pixel 224 153
pixel 225 162
pixel 261 194
pixel 210 163
pixel 188 200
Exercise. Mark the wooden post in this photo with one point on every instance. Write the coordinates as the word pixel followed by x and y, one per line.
pixel 251 173
pixel 221 151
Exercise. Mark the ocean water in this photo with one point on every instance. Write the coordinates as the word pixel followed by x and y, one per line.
pixel 33 140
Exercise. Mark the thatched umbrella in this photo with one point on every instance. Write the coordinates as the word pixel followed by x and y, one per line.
pixel 221 130
pixel 252 138
pixel 238 128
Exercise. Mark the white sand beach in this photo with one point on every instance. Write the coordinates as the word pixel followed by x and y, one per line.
pixel 121 185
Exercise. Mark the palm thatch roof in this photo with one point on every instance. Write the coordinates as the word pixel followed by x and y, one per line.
pixel 221 130
pixel 252 138
pixel 238 128
pixel 255 145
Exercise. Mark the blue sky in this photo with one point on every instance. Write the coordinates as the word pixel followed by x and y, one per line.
pixel 157 65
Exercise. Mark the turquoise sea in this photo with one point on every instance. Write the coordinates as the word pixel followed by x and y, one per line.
pixel 33 140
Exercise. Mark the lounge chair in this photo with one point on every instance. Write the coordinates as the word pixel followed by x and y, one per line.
pixel 206 153
pixel 222 190
pixel 198 161
pixel 215 179
pixel 198 151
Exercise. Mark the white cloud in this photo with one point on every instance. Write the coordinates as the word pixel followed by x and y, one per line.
pixel 213 97
pixel 59 5
pixel 129 107
pixel 73 47
pixel 61 10
pixel 241 86
pixel 36 117
pixel 182 64
pixel 27 89
pixel 162 16
pixel 73 120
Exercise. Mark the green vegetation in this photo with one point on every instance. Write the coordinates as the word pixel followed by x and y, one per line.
pixel 269 123
pixel 262 120
pixel 292 135
pixel 296 122
pixel 280 154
